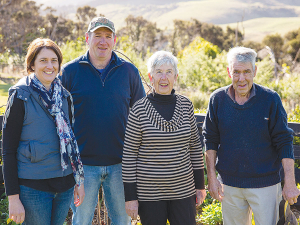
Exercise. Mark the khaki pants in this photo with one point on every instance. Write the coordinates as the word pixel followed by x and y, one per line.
pixel 239 203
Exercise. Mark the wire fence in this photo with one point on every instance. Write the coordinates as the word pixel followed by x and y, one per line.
pixel 12 69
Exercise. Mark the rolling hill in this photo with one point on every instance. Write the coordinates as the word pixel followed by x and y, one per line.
pixel 259 17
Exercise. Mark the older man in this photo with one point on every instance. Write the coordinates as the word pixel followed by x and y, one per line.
pixel 103 87
pixel 246 130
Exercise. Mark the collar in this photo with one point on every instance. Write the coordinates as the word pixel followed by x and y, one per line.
pixel 114 58
pixel 230 92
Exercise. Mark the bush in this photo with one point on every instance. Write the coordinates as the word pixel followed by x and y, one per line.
pixel 211 214
pixel 4 215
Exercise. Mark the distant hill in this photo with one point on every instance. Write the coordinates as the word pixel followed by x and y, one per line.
pixel 259 17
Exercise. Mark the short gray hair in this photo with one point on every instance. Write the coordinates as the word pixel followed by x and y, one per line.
pixel 241 54
pixel 160 58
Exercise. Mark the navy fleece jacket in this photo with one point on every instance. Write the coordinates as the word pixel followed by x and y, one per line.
pixel 101 107
pixel 250 139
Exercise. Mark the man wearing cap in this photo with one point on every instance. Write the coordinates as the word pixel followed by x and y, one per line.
pixel 103 87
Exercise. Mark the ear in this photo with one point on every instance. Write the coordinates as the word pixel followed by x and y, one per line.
pixel 87 38
pixel 228 71
pixel 150 77
pixel 255 71
pixel 176 76
pixel 115 39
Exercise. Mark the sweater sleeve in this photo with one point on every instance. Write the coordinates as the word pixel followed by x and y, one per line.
pixel 137 88
pixel 281 134
pixel 210 128
pixel 11 135
pixel 133 138
pixel 196 153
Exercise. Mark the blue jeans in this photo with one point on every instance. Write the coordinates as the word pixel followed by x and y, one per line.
pixel 111 179
pixel 47 208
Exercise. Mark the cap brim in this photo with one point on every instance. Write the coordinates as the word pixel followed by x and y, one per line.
pixel 95 28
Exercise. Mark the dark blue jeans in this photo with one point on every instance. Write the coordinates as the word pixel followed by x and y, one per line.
pixel 45 208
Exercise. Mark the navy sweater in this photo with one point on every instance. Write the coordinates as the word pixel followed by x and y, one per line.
pixel 101 107
pixel 250 139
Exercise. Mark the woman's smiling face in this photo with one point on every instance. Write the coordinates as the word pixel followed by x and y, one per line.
pixel 163 79
pixel 46 67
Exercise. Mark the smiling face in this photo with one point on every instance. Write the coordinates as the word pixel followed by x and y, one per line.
pixel 241 74
pixel 163 79
pixel 46 67
pixel 101 43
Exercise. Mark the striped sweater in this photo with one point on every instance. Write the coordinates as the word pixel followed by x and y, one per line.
pixel 159 156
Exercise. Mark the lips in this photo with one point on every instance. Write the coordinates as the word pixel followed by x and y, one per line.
pixel 49 73
pixel 242 86
pixel 164 85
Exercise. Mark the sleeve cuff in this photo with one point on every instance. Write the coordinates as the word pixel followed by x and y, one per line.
pixel 287 152
pixel 199 179
pixel 211 146
pixel 130 192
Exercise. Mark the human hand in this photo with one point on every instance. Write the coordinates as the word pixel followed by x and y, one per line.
pixel 16 209
pixel 78 195
pixel 132 208
pixel 215 189
pixel 200 194
pixel 290 193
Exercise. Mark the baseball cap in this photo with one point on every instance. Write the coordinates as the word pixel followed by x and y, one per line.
pixel 98 22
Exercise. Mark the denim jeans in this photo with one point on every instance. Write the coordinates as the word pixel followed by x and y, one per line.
pixel 111 179
pixel 47 208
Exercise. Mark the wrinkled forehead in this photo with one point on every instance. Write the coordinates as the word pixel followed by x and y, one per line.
pixel 163 65
pixel 237 65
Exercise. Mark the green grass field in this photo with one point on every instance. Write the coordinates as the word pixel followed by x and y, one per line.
pixel 3 94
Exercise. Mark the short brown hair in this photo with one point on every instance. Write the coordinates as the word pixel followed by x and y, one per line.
pixel 34 49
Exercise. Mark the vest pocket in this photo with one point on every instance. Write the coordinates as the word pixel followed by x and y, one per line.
pixel 34 151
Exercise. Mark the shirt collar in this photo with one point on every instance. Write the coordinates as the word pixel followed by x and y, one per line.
pixel 231 93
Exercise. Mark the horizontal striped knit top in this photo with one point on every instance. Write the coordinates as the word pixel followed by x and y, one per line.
pixel 160 156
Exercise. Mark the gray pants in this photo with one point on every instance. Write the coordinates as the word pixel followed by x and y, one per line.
pixel 239 203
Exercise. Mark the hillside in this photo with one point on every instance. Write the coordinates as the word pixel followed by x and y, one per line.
pixel 260 17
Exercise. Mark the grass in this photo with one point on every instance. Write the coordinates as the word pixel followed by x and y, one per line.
pixel 4 93
pixel 257 29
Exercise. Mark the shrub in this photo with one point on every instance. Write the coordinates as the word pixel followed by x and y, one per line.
pixel 211 214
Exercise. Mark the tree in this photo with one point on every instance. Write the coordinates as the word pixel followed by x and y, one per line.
pixel 142 33
pixel 275 42
pixel 84 15
pixel 292 44
pixel 4 3
pixel 20 23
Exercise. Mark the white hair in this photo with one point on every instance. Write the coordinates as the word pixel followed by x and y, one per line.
pixel 160 58
pixel 241 54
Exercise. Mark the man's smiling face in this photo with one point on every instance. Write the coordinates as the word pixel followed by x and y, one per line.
pixel 101 43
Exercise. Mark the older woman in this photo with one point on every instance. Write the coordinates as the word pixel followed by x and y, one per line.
pixel 162 160
pixel 39 147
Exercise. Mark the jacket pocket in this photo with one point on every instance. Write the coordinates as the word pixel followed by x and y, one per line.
pixel 24 153
pixel 41 151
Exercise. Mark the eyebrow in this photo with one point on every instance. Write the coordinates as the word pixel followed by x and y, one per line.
pixel 241 70
pixel 47 58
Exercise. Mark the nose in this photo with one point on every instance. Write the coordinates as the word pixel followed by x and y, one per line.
pixel 102 40
pixel 242 77
pixel 163 76
pixel 49 64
